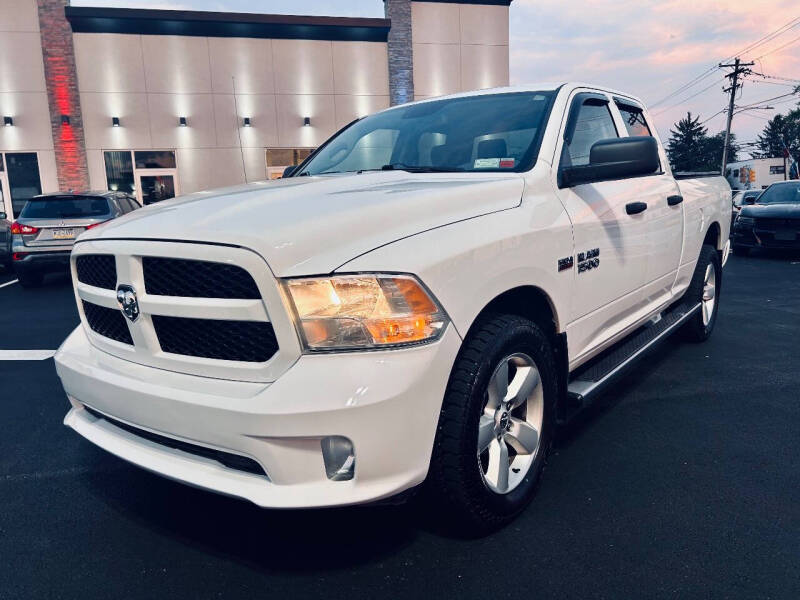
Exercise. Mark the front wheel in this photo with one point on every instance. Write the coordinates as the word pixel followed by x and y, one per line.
pixel 496 425
pixel 704 288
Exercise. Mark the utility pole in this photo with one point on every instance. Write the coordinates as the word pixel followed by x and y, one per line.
pixel 739 68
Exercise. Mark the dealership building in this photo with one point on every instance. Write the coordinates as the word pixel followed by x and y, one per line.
pixel 162 102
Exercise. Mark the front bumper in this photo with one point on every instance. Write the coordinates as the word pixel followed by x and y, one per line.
pixel 387 403
pixel 757 238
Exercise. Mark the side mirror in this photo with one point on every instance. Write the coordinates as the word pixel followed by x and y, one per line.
pixel 750 200
pixel 287 172
pixel 2 216
pixel 614 158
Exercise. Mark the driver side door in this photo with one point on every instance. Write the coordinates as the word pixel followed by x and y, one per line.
pixel 611 245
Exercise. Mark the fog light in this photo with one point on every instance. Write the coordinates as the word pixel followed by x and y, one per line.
pixel 339 457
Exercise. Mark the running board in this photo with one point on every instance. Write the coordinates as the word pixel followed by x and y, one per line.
pixel 590 379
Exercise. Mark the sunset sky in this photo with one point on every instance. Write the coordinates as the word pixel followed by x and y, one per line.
pixel 647 48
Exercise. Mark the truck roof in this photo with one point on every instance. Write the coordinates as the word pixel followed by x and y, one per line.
pixel 534 87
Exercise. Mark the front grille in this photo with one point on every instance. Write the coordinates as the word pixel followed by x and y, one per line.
pixel 197 279
pixel 248 341
pixel 228 459
pixel 99 270
pixel 107 322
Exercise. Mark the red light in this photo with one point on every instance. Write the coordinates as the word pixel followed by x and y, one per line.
pixel 23 229
pixel 19 255
pixel 93 225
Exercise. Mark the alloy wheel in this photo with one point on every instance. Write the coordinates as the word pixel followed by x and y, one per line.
pixel 709 293
pixel 510 425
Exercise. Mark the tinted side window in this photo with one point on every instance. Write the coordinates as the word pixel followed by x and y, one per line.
pixel 132 204
pixel 634 120
pixel 594 123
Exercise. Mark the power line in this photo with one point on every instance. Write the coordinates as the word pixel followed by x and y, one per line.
pixel 705 89
pixel 769 37
pixel 685 87
pixel 759 42
pixel 789 43
pixel 766 100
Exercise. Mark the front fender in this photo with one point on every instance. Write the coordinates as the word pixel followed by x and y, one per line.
pixel 470 263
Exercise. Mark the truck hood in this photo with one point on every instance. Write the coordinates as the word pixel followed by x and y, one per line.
pixel 772 211
pixel 312 225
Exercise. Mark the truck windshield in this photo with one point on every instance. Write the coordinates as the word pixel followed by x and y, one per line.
pixel 493 132
pixel 783 193
pixel 65 207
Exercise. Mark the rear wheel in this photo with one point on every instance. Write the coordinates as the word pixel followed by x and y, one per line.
pixel 496 425
pixel 704 288
pixel 30 280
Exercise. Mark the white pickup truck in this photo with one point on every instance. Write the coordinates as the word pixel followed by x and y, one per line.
pixel 423 300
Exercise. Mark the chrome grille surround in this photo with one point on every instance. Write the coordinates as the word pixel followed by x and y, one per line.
pixel 268 310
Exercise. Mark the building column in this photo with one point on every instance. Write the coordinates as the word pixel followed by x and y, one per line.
pixel 401 57
pixel 62 93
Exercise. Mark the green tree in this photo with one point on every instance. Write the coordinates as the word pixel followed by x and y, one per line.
pixel 690 148
pixel 779 128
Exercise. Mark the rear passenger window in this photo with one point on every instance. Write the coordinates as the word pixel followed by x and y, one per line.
pixel 634 120
pixel 594 123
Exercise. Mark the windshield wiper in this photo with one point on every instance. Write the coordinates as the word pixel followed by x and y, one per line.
pixel 415 169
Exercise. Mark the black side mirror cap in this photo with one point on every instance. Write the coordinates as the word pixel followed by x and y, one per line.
pixel 288 171
pixel 615 158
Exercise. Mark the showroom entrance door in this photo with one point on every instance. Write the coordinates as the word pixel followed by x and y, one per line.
pixel 156 185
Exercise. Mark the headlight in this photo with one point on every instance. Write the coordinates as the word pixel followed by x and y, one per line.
pixel 745 221
pixel 350 312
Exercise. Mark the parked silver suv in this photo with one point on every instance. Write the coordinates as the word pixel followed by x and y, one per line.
pixel 43 235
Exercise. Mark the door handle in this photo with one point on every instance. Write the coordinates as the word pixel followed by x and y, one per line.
pixel 634 208
pixel 674 200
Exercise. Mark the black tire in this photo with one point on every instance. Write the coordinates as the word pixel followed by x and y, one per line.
pixel 697 329
pixel 740 250
pixel 455 481
pixel 30 280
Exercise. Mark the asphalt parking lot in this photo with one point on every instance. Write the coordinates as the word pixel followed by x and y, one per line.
pixel 682 483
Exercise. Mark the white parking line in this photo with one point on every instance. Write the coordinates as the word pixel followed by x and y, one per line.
pixel 26 354
pixel 2 285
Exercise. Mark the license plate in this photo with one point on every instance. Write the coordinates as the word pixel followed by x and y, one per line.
pixel 786 236
pixel 63 234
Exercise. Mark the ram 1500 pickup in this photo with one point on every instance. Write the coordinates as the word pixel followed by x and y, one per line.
pixel 422 301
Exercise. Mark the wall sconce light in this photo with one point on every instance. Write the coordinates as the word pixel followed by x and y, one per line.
pixel 65 119
pixel 115 121
pixel 8 121
pixel 307 122
pixel 247 122
pixel 182 122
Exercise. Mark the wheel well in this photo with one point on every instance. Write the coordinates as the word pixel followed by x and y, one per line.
pixel 533 303
pixel 527 301
pixel 713 235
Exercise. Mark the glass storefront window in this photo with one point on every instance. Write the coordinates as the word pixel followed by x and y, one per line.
pixel 23 178
pixel 286 157
pixel 280 158
pixel 119 171
pixel 156 188
pixel 154 159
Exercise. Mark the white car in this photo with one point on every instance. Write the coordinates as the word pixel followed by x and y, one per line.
pixel 424 300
